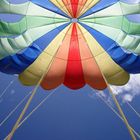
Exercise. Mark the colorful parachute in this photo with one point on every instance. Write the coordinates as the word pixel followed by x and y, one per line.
pixel 74 42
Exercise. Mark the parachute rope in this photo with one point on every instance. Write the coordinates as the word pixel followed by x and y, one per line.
pixel 25 109
pixel 16 107
pixel 116 102
pixel 117 114
pixel 136 112
pixel 27 104
pixel 4 91
pixel 34 110
pixel 37 107
pixel 130 106
pixel 121 112
pixel 29 101
pixel 124 10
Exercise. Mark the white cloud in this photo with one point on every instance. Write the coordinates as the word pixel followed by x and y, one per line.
pixel 126 93
pixel 128 97
pixel 129 91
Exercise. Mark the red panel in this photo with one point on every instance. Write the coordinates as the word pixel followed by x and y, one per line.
pixel 91 70
pixel 74 5
pixel 74 77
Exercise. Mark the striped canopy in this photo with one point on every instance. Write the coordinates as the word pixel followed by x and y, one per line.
pixel 70 42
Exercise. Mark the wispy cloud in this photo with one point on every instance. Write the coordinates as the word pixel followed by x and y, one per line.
pixel 129 91
pixel 125 93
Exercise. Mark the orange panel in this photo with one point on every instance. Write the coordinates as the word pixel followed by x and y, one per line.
pixel 92 73
pixel 80 6
pixel 56 73
pixel 67 3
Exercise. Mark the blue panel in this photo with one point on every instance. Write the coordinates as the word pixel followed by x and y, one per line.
pixel 47 38
pixel 50 6
pixel 128 61
pixel 17 63
pixel 100 6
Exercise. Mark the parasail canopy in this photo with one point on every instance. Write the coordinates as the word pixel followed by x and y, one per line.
pixel 72 42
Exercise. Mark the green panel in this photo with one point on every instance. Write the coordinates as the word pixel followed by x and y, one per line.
pixel 28 22
pixel 134 28
pixel 119 22
pixel 37 21
pixel 12 45
pixel 129 42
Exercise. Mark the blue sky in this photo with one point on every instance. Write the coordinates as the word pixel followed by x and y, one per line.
pixel 66 115
pixel 70 115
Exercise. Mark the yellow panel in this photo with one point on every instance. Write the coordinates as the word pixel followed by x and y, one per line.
pixel 61 6
pixel 33 73
pixel 88 5
pixel 114 74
